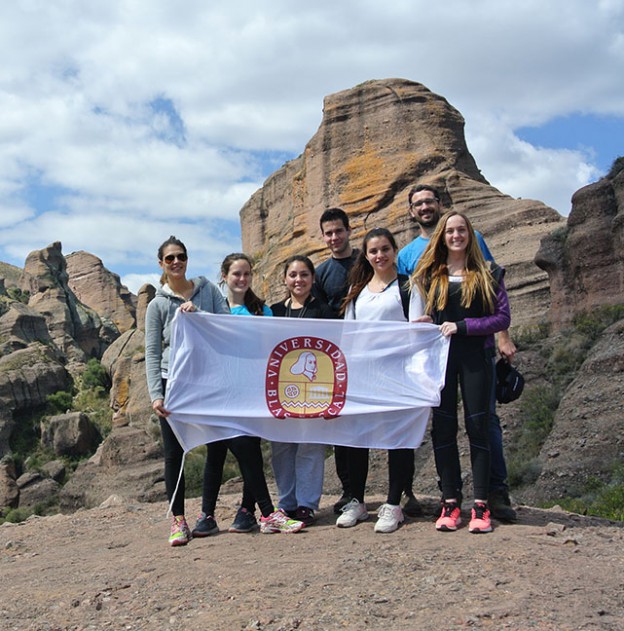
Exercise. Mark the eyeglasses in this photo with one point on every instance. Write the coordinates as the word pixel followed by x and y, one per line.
pixel 430 201
pixel 170 258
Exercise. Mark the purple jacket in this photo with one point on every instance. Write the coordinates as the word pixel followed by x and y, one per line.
pixel 489 324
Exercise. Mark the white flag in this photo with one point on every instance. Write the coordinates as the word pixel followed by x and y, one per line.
pixel 336 382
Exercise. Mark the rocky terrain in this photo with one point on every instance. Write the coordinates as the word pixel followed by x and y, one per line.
pixel 110 567
pixel 375 141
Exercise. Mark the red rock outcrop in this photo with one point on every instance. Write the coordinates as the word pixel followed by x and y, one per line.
pixel 100 289
pixel 125 361
pixel 20 326
pixel 374 143
pixel 76 330
pixel 585 259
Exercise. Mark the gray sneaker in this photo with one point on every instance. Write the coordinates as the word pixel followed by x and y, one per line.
pixel 205 526
pixel 244 521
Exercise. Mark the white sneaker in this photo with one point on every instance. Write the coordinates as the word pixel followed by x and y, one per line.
pixel 388 518
pixel 352 512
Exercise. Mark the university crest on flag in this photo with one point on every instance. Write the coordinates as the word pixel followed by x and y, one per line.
pixel 306 377
pixel 303 380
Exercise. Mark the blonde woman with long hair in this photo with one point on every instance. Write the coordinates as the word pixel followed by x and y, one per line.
pixel 466 297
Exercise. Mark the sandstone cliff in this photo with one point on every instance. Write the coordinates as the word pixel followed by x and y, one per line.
pixel 101 290
pixel 585 264
pixel 585 259
pixel 130 459
pixel 76 330
pixel 44 345
pixel 376 141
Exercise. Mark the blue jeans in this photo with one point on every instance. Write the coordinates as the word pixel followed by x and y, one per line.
pixel 498 468
pixel 298 470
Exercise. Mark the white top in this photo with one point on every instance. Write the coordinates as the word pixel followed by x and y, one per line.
pixel 384 305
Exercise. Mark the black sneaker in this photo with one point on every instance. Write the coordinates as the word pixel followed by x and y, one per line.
pixel 412 506
pixel 500 506
pixel 305 515
pixel 205 526
pixel 340 504
pixel 243 522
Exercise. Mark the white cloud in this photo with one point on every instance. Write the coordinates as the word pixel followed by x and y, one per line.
pixel 13 214
pixel 520 169
pixel 134 282
pixel 81 83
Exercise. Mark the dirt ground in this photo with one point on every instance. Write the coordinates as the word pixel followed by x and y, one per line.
pixel 111 568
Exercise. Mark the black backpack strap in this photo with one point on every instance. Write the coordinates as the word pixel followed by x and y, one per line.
pixel 405 294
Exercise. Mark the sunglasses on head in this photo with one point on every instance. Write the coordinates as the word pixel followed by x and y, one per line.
pixel 170 258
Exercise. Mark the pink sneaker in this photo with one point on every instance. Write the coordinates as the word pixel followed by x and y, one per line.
pixel 180 532
pixel 480 519
pixel 279 522
pixel 450 518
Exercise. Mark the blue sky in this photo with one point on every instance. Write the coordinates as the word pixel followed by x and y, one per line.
pixel 600 137
pixel 127 121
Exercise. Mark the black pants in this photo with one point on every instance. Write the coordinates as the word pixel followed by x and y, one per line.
pixel 341 458
pixel 400 467
pixel 246 450
pixel 173 464
pixel 469 367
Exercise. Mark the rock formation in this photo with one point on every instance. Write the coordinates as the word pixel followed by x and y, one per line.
pixel 585 264
pixel 374 142
pixel 587 439
pixel 36 490
pixel 72 434
pixel 101 290
pixel 9 491
pixel 31 367
pixel 585 258
pixel 46 342
pixel 76 330
pixel 129 460
pixel 28 375
pixel 125 361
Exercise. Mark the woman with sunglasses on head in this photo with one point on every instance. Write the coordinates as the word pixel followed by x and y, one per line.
pixel 463 294
pixel 236 274
pixel 187 295
pixel 299 467
pixel 376 292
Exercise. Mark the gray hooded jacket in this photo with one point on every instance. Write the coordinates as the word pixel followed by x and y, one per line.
pixel 160 311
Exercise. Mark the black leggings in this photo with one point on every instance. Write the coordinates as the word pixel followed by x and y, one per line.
pixel 246 450
pixel 469 367
pixel 400 466
pixel 173 464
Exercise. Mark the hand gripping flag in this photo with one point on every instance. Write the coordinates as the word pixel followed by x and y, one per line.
pixel 336 382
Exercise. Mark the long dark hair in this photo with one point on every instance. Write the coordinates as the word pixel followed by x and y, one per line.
pixel 161 252
pixel 253 302
pixel 362 271
pixel 302 259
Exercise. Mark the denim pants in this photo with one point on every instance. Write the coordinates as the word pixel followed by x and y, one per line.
pixel 498 468
pixel 298 470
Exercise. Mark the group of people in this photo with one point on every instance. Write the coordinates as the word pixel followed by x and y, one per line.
pixel 447 277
